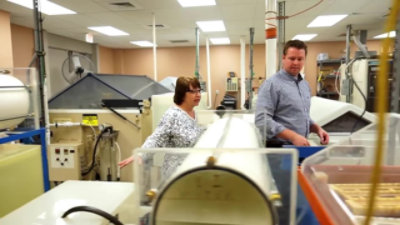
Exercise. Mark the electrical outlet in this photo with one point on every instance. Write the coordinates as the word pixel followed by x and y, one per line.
pixel 217 92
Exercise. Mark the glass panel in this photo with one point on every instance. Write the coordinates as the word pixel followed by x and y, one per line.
pixel 173 183
pixel 341 175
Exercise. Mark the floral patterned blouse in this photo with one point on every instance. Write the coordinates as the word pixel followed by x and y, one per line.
pixel 175 130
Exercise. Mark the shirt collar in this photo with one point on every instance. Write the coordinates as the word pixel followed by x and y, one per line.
pixel 290 77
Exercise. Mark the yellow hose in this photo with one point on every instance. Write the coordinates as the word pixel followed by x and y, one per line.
pixel 381 106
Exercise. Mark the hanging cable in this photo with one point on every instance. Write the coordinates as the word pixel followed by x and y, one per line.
pixel 349 67
pixel 295 14
pixel 94 210
pixel 381 106
pixel 95 149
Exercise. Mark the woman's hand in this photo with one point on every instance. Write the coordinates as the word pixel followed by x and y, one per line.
pixel 125 162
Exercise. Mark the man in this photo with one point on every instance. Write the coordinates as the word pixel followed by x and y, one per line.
pixel 283 103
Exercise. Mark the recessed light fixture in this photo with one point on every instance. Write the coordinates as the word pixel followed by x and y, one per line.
pixel 109 30
pixel 392 34
pixel 142 43
pixel 195 3
pixel 211 26
pixel 326 21
pixel 220 41
pixel 304 37
pixel 45 7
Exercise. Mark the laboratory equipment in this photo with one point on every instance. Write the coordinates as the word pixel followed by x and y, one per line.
pixel 338 177
pixel 19 126
pixel 224 179
pixel 339 119
pixel 14 97
pixel 78 113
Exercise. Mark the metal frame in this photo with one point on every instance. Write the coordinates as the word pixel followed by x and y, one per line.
pixel 27 134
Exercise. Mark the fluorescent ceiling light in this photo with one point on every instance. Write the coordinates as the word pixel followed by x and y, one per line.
pixel 89 38
pixel 142 43
pixel 194 3
pixel 211 26
pixel 45 7
pixel 109 30
pixel 220 41
pixel 392 34
pixel 326 21
pixel 304 37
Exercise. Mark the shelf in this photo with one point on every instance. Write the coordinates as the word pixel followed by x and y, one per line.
pixel 329 61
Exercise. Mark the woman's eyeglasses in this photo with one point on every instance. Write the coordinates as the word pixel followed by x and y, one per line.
pixel 197 91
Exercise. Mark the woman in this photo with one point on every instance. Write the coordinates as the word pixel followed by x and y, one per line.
pixel 178 127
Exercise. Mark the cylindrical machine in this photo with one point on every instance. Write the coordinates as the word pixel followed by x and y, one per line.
pixel 14 101
pixel 214 185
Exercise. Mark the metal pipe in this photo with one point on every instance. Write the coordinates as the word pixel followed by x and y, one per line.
pixel 208 73
pixel 350 84
pixel 251 47
pixel 242 72
pixel 65 124
pixel 394 106
pixel 37 18
pixel 154 48
pixel 270 36
pixel 281 31
pixel 196 69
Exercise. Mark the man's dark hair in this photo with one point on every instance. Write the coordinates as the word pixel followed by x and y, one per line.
pixel 182 86
pixel 294 44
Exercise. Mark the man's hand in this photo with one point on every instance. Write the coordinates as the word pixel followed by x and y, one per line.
pixel 125 162
pixel 323 136
pixel 295 138
pixel 299 140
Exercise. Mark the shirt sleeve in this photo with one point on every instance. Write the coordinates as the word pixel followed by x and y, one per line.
pixel 268 99
pixel 162 134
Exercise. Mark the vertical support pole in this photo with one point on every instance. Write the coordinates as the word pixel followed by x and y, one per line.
pixel 46 183
pixel 281 32
pixel 251 47
pixel 154 48
pixel 270 36
pixel 37 18
pixel 350 83
pixel 394 106
pixel 208 73
pixel 243 73
pixel 196 69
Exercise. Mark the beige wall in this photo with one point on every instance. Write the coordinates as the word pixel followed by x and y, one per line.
pixel 180 61
pixel 106 58
pixel 23 45
pixel 6 53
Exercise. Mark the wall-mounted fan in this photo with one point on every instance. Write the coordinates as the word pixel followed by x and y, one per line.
pixel 76 66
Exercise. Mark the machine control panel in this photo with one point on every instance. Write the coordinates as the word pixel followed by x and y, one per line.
pixel 64 161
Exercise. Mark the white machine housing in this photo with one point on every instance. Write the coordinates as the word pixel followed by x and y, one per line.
pixel 359 72
pixel 15 98
pixel 212 184
pixel 338 118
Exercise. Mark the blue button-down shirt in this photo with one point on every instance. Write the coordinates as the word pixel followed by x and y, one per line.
pixel 283 103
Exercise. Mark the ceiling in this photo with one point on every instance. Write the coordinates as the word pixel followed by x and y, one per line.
pixel 179 23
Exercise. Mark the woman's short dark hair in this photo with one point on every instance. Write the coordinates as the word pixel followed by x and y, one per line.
pixel 294 44
pixel 182 86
